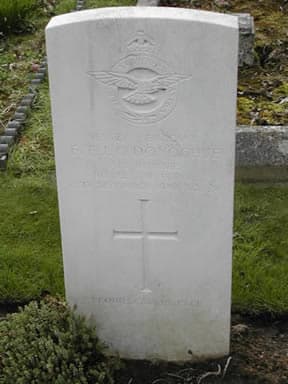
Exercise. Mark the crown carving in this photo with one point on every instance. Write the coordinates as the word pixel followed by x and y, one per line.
pixel 141 43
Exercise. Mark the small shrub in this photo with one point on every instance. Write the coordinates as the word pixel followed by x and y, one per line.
pixel 13 14
pixel 47 343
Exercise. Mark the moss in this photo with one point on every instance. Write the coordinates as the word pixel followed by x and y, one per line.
pixel 245 107
pixel 282 90
pixel 265 83
pixel 270 112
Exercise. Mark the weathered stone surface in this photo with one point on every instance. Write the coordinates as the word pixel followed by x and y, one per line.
pixel 6 139
pixel 40 75
pixel 246 38
pixel 262 146
pixel 3 148
pixel 145 185
pixel 11 132
pixel 14 124
pixel 42 70
pixel 3 161
pixel 26 102
pixel 29 96
pixel 19 116
pixel 22 109
pixel 35 81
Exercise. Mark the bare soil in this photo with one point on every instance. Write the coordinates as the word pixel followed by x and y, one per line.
pixel 259 354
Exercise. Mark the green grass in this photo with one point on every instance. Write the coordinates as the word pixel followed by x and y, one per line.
pixel 30 250
pixel 260 268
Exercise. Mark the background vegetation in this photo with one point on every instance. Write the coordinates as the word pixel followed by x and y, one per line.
pixel 13 14
pixel 20 53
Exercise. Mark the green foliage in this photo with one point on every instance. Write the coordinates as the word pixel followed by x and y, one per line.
pixel 13 13
pixel 49 343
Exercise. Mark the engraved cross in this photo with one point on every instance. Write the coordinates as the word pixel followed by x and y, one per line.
pixel 144 235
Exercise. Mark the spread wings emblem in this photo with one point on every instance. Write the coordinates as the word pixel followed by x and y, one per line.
pixel 141 90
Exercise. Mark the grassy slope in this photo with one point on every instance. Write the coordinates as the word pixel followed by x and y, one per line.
pixel 30 251
pixel 17 54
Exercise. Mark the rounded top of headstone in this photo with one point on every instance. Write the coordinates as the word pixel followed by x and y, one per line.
pixel 145 12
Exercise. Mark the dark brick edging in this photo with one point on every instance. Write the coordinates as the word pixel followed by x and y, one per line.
pixel 16 124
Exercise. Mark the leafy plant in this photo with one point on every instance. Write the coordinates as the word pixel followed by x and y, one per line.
pixel 13 14
pixel 47 342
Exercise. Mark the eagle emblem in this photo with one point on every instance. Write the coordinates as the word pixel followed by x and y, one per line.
pixel 144 87
pixel 142 90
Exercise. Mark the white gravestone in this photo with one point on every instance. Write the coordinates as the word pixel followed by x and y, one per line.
pixel 143 104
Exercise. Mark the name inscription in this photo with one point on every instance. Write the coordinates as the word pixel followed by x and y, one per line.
pixel 151 163
pixel 112 149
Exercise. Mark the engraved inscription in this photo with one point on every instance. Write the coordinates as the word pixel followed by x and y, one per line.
pixel 148 149
pixel 144 236
pixel 118 165
pixel 144 86
pixel 144 300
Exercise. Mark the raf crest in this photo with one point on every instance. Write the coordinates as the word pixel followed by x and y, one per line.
pixel 144 87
